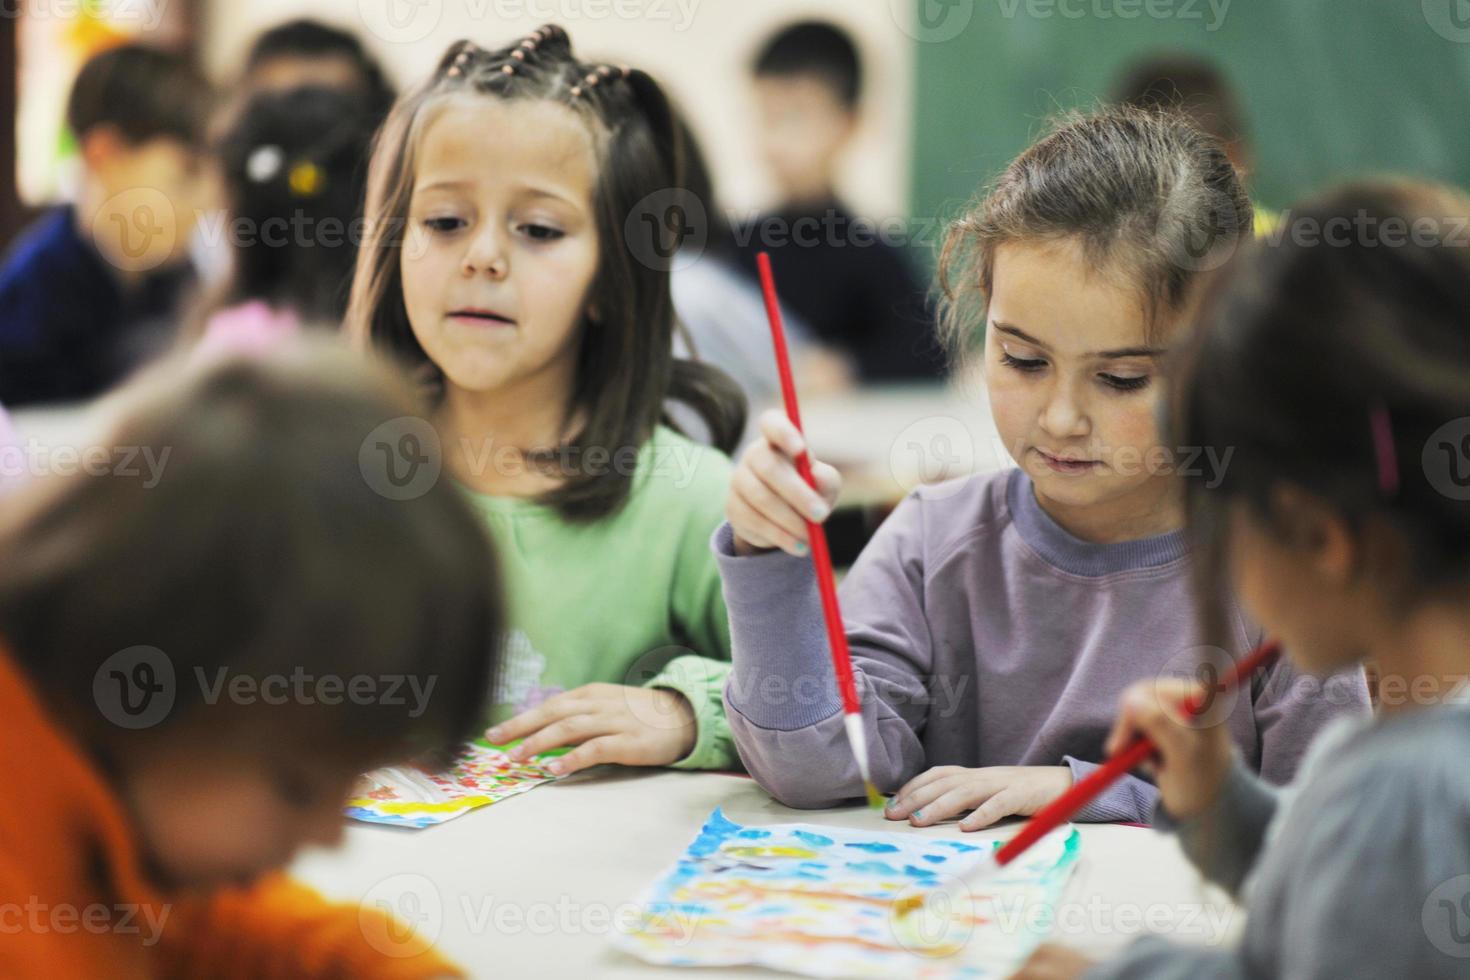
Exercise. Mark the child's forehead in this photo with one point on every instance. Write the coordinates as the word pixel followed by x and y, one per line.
pixel 1056 293
pixel 481 141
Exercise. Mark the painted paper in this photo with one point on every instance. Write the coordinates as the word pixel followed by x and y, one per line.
pixel 821 902
pixel 414 796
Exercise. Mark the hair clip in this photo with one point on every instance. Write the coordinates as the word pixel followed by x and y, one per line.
pixel 306 179
pixel 507 69
pixel 264 162
pixel 518 54
pixel 605 70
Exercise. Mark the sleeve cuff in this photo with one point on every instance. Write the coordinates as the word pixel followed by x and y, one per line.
pixel 1129 800
pixel 702 682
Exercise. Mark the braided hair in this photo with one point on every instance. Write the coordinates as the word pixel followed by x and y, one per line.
pixel 626 370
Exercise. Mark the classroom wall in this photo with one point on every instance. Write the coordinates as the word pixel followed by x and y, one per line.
pixel 1333 88
pixel 700 48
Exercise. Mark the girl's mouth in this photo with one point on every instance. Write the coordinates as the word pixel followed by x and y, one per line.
pixel 481 316
pixel 1071 467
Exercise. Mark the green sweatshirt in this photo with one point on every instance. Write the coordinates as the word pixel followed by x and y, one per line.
pixel 631 599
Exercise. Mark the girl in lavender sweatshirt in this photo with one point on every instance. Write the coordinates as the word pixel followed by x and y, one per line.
pixel 995 620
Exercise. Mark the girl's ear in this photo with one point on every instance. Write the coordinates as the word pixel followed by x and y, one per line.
pixel 1329 546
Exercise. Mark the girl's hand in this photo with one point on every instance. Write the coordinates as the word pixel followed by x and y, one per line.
pixel 995 792
pixel 1193 761
pixel 769 502
pixel 1053 962
pixel 629 726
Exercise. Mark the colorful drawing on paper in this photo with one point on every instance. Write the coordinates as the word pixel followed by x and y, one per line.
pixel 413 796
pixel 820 901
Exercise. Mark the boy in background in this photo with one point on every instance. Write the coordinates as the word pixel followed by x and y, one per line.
pixel 857 293
pixel 87 291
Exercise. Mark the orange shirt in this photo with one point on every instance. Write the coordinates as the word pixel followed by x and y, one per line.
pixel 75 902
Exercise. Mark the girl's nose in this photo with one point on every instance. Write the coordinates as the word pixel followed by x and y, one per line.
pixel 486 255
pixel 1063 416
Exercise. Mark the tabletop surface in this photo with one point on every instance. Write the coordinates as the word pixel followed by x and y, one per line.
pixel 533 886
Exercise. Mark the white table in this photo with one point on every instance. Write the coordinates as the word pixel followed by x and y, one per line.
pixel 532 886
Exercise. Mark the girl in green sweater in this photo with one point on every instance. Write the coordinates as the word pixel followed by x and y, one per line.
pixel 517 255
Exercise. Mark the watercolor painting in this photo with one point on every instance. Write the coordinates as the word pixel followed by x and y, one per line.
pixel 821 902
pixel 413 796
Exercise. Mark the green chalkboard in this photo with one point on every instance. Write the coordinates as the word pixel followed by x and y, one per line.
pixel 1332 88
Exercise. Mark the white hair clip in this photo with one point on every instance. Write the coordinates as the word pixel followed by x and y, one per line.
pixel 264 163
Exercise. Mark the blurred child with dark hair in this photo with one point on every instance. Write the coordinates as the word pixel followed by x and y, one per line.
pixel 154 793
pixel 307 52
pixel 87 288
pixel 294 167
pixel 1199 89
pixel 856 291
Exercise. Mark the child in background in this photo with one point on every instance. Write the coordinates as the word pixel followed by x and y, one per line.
pixel 294 171
pixel 1199 89
pixel 133 608
pixel 89 290
pixel 995 619
pixel 1341 375
pixel 503 266
pixel 855 291
pixel 307 52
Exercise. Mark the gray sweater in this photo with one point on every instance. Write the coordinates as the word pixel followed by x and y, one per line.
pixel 984 634
pixel 1361 872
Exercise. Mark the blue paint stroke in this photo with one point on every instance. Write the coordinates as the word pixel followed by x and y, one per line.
pixel 873 867
pixel 935 858
pixel 816 840
pixel 875 847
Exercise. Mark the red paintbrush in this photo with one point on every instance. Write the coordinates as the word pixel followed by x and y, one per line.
pixel 852 712
pixel 1134 754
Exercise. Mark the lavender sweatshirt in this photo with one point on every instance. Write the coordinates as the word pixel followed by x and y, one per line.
pixel 984 634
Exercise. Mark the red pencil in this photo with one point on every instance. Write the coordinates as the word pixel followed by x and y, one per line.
pixel 852 715
pixel 1132 755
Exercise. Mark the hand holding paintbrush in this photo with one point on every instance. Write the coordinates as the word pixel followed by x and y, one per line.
pixel 779 499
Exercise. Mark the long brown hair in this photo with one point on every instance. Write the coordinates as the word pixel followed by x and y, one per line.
pixel 1146 193
pixel 626 369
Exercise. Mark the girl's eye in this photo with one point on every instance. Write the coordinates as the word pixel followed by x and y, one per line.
pixel 542 233
pixel 444 225
pixel 1125 384
pixel 1022 363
